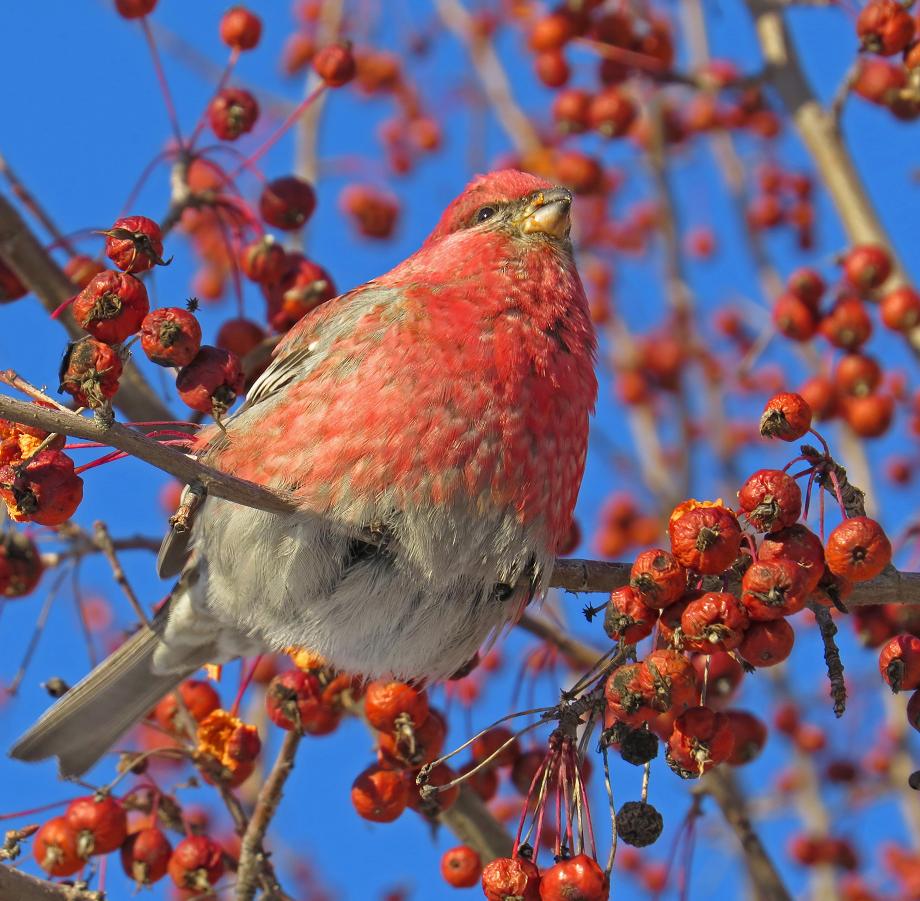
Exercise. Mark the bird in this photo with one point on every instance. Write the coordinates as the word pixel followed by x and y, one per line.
pixel 431 427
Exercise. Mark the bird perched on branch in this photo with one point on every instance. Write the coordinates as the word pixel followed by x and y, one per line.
pixel 432 426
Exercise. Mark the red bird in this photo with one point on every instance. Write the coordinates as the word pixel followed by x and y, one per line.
pixel 442 407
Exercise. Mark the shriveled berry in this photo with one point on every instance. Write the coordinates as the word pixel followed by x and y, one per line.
pixel 628 618
pixel 702 738
pixel 716 621
pixel 857 549
pixel 211 382
pixel 786 416
pixel 770 499
pixel 638 746
pixel 658 578
pixel 772 589
pixel 112 306
pixel 170 336
pixel 294 700
pixel 884 27
pixel 510 879
pixel 46 490
pixel 232 112
pixel 705 538
pixel 800 545
pixel 639 824
pixel 135 244
pixel 90 372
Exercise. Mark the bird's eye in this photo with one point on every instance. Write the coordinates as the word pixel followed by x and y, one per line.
pixel 486 212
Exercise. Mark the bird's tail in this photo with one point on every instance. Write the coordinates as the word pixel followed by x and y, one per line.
pixel 96 712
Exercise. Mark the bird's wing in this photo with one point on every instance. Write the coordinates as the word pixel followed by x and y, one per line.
pixel 292 361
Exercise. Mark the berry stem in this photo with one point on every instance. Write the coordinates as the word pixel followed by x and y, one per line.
pixel 221 84
pixel 161 79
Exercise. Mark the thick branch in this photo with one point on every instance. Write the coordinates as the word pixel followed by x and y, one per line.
pixel 38 271
pixel 18 886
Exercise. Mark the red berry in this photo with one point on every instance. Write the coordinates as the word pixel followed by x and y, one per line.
pixel 303 287
pixel 197 863
pixel 410 747
pixel 240 29
pixel 870 415
pixel 770 499
pixel 199 697
pixel 80 269
pixel 11 288
pixel 800 545
pixel 264 260
pixel 232 112
pixel 772 589
pixel 628 618
pixel 900 309
pixel 570 110
pixel 858 549
pixel 767 643
pixel 145 856
pixel 335 64
pixel 867 266
pixel 170 336
pixel 786 416
pixel 511 878
pixel 794 318
pixel 701 739
pixel 899 663
pixel 111 307
pixel 612 112
pixel 847 325
pixel 240 336
pixel 750 736
pixel 90 372
pixel 658 578
pixel 879 81
pixel 373 212
pixel 20 564
pixel 387 704
pixel 211 382
pixel 134 9
pixel 287 202
pixel 100 822
pixel 705 538
pixel 461 867
pixel 884 27
pixel 807 285
pixel 716 621
pixel 379 794
pixel 576 878
pixel 46 490
pixel 294 699
pixel 55 848
pixel 135 244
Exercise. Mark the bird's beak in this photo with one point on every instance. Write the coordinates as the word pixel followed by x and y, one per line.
pixel 548 214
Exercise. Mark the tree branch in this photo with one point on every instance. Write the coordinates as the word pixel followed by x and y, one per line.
pixel 18 886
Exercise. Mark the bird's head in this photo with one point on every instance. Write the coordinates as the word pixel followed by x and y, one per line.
pixel 512 204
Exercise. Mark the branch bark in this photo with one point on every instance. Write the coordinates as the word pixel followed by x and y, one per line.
pixel 18 886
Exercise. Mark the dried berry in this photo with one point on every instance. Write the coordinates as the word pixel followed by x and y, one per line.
pixel 211 382
pixel 112 306
pixel 639 824
pixel 170 336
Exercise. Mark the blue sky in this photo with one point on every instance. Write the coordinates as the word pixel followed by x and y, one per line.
pixel 82 117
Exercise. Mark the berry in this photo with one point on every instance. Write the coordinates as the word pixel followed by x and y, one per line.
pixel 263 260
pixel 135 244
pixel 232 112
pixel 145 856
pixel 705 538
pixel 807 285
pixel 287 203
pixel 240 29
pixel 657 578
pixel 628 618
pixel 900 309
pixel 379 794
pixel 847 325
pixel 111 307
pixel 20 564
pixel 90 372
pixel 767 643
pixel 867 266
pixel 294 700
pixel 714 621
pixel 570 110
pixel 794 318
pixel 11 288
pixel 388 704
pixel 46 490
pixel 100 822
pixel 199 697
pixel 335 64
pixel 55 848
pixel 80 269
pixel 750 736
pixel 490 741
pixel 461 867
pixel 639 824
pixel 701 739
pixel 899 663
pixel 576 878
pixel 211 382
pixel 800 545
pixel 858 549
pixel 638 746
pixel 511 879
pixel 414 746
pixel 240 336
pixel 373 212
pixel 611 112
pixel 770 499
pixel 303 287
pixel 135 9
pixel 170 336
pixel 786 416
pixel 197 863
pixel 772 589
pixel 884 27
